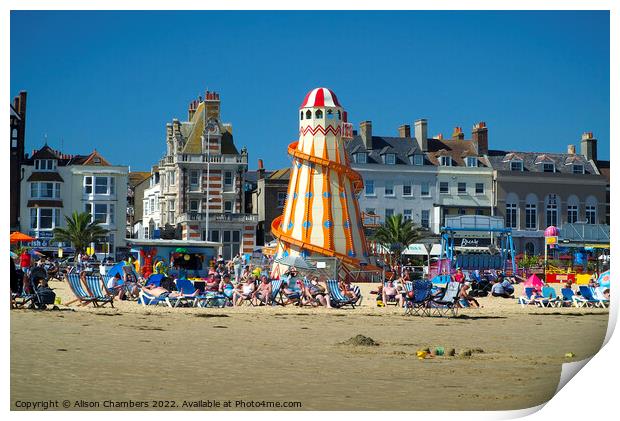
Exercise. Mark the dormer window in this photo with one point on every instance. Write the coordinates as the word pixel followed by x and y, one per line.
pixel 445 161
pixel 472 161
pixel 578 169
pixel 516 165
pixel 45 164
pixel 417 159
pixel 389 159
pixel 548 167
pixel 360 158
pixel 318 114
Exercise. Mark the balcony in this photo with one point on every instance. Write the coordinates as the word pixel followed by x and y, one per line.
pixel 219 217
pixel 212 158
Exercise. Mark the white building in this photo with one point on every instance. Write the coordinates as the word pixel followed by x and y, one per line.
pixel 54 185
pixel 151 209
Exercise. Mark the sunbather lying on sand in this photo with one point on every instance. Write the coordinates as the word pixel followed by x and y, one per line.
pixel 159 291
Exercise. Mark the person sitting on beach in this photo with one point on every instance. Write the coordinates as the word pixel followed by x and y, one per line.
pixel 244 291
pixel 347 291
pixel 292 289
pixel 390 293
pixel 502 289
pixel 213 283
pixel 226 287
pixel 314 293
pixel 458 276
pixel 467 299
pixel 263 293
pixel 160 291
pixel 115 286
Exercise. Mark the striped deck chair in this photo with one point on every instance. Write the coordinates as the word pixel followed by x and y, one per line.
pixel 81 295
pixel 336 297
pixel 96 289
pixel 418 305
pixel 276 292
pixel 447 303
pixel 358 293
pixel 588 295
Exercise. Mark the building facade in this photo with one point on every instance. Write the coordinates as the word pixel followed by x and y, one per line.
pixel 56 184
pixel 18 142
pixel 151 208
pixel 539 189
pixel 202 179
pixel 135 192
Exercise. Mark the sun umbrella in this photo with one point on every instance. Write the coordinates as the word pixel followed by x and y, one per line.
pixel 533 282
pixel 603 280
pixel 297 261
pixel 17 236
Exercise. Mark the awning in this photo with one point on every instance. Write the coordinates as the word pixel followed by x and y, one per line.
pixel 420 250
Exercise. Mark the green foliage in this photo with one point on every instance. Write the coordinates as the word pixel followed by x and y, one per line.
pixel 80 231
pixel 529 261
pixel 396 234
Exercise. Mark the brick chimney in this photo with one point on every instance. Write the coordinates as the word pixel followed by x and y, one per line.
pixel 421 134
pixel 458 134
pixel 480 138
pixel 261 170
pixel 404 131
pixel 588 146
pixel 571 150
pixel 366 133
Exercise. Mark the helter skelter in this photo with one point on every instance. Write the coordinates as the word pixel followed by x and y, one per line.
pixel 321 215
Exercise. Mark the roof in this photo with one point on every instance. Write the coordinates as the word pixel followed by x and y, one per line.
pixel 604 169
pixel 320 97
pixel 137 177
pixel 402 147
pixel 45 176
pixel 281 174
pixel 193 130
pixel 45 153
pixel 95 158
pixel 457 149
pixel 533 161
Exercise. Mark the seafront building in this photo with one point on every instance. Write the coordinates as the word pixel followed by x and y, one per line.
pixel 55 184
pixel 201 180
pixel 18 142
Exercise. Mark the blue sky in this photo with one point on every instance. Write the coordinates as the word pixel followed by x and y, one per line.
pixel 111 80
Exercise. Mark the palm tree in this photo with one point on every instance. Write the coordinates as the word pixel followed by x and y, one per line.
pixel 80 231
pixel 396 234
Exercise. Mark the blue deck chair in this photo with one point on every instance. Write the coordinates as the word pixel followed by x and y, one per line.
pixel 569 298
pixel 186 287
pixel 549 298
pixel 96 289
pixel 528 299
pixel 590 300
pixel 447 303
pixel 81 295
pixel 147 299
pixel 155 279
pixel 422 293
pixel 336 297
pixel 276 291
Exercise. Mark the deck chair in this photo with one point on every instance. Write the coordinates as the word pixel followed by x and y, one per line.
pixel 358 293
pixel 588 296
pixel 549 298
pixel 448 302
pixel 569 298
pixel 186 287
pixel 276 291
pixel 147 299
pixel 336 297
pixel 81 295
pixel 598 295
pixel 529 297
pixel 418 305
pixel 96 289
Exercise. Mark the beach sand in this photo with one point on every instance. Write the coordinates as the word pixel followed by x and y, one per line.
pixel 276 354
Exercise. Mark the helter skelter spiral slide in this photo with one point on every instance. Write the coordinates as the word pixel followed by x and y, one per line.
pixel 321 214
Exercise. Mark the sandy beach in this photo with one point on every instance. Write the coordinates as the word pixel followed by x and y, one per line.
pixel 191 358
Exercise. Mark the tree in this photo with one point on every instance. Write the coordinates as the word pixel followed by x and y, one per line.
pixel 80 231
pixel 396 234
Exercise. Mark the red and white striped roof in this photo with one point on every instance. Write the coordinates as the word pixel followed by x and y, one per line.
pixel 320 97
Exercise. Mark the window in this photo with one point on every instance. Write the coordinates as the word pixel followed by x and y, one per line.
pixel 552 214
pixel 228 206
pixel 591 214
pixel 445 161
pixel 479 188
pixel 578 169
pixel 572 214
pixel 101 213
pixel 425 190
pixel 472 161
pixel 530 216
pixel 407 190
pixel 369 187
pixel 171 206
pixel 330 114
pixel 407 214
pixel 548 167
pixel 370 211
pixel 511 215
pixel 418 159
pixel 45 190
pixel 281 199
pixel 389 158
pixel 461 211
pixel 57 190
pixel 443 187
pixel 480 212
pixel 516 165
pixel 193 205
pixel 389 188
pixel 146 232
pixel 462 188
pixel 318 114
pixel 88 185
pixel 339 115
pixel 308 115
pixel 360 158
pixel 389 213
pixel 101 185
pixel 33 218
pixel 228 178
pixel 301 115
pixel 46 218
pixel 145 203
pixel 45 164
pixel 194 177
pixel 111 214
pixel 112 183
pixel 172 178
pixel 425 218
pixel 215 236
